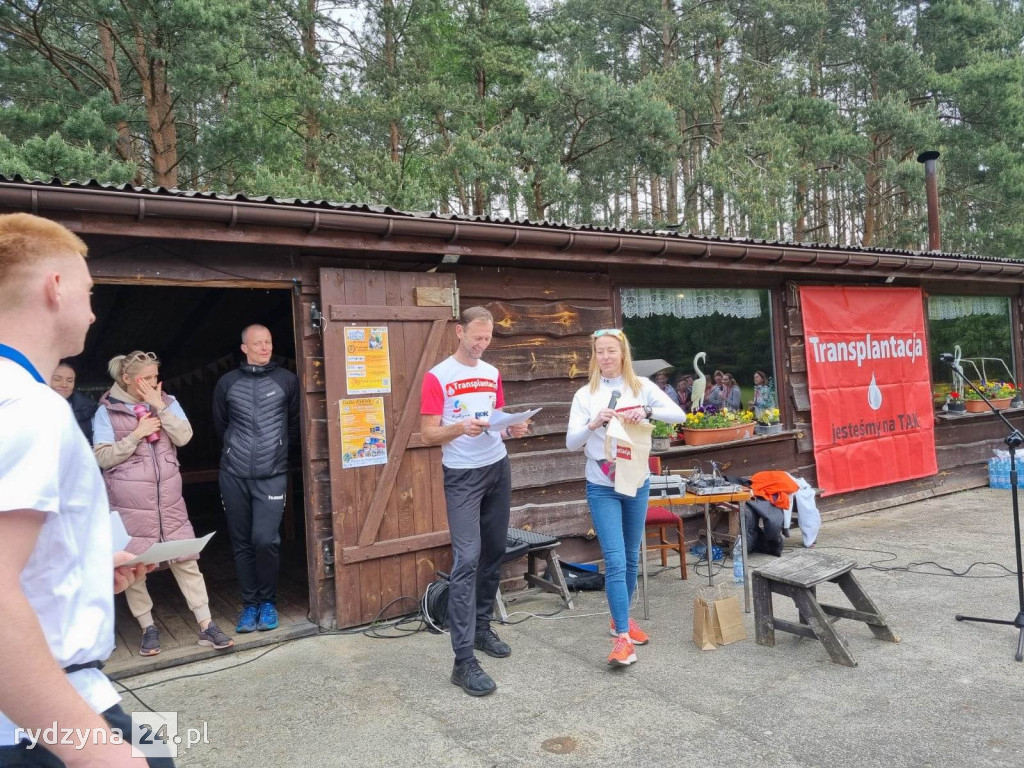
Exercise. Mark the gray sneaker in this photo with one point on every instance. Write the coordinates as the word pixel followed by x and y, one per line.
pixel 150 642
pixel 213 637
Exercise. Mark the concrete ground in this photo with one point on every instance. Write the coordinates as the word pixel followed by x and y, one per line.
pixel 950 694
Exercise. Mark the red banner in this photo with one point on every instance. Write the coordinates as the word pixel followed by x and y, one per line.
pixel 870 390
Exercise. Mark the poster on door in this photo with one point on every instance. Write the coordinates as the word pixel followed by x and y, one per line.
pixel 364 439
pixel 869 385
pixel 367 361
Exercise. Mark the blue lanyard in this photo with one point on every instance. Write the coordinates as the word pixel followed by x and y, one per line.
pixel 12 354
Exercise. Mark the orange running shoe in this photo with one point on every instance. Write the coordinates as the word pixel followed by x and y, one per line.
pixel 637 635
pixel 622 653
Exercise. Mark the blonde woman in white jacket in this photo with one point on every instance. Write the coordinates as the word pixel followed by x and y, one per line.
pixel 618 519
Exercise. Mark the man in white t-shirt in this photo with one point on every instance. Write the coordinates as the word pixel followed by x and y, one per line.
pixel 57 564
pixel 459 395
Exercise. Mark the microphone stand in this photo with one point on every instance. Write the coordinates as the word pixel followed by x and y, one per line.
pixel 1014 440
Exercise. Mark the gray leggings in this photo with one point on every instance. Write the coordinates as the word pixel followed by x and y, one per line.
pixel 478 501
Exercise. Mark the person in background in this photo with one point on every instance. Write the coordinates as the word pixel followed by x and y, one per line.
pixel 63 383
pixel 58 567
pixel 660 379
pixel 684 392
pixel 715 395
pixel 137 431
pixel 732 397
pixel 618 519
pixel 764 396
pixel 458 397
pixel 256 416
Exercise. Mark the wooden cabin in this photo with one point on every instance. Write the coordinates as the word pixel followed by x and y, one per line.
pixel 181 273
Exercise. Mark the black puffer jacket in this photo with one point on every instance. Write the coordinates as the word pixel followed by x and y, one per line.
pixel 84 408
pixel 256 415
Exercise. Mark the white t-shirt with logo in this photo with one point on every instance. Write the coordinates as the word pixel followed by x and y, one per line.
pixel 456 392
pixel 46 464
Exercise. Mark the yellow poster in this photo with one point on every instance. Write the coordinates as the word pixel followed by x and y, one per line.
pixel 367 361
pixel 364 439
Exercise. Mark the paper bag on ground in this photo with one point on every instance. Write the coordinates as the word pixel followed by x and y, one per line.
pixel 703 631
pixel 628 445
pixel 728 620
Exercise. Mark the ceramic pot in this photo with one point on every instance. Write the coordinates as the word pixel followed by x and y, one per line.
pixel 659 444
pixel 767 429
pixel 979 406
pixel 723 435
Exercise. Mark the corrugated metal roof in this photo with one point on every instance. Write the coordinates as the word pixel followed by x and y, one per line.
pixel 93 184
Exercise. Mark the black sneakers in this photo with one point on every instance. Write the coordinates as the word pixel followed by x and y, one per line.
pixel 488 641
pixel 472 679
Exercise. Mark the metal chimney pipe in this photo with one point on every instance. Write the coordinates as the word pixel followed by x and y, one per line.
pixel 932 187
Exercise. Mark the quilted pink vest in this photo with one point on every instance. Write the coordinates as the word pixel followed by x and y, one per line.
pixel 145 488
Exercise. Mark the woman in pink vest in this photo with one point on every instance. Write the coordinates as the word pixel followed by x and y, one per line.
pixel 136 434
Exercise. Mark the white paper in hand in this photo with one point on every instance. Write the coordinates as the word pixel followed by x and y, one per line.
pixel 169 550
pixel 500 419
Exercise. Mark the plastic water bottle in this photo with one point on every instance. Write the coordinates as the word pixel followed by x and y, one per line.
pixel 993 470
pixel 737 560
pixel 141 412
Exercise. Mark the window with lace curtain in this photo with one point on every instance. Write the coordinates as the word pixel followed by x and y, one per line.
pixel 732 326
pixel 979 329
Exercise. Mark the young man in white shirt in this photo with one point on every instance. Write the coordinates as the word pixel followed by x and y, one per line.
pixel 459 394
pixel 57 564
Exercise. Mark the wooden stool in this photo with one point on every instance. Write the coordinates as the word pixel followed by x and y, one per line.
pixel 798 577
pixel 535 546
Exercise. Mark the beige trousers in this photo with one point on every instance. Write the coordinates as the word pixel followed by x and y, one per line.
pixel 192 586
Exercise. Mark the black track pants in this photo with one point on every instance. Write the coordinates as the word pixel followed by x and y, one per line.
pixel 254 507
pixel 477 501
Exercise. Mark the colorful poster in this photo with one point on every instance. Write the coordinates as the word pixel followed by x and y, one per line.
pixel 364 439
pixel 869 384
pixel 367 361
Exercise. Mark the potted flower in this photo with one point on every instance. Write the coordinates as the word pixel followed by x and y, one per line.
pixel 661 436
pixel 955 402
pixel 717 425
pixel 999 392
pixel 768 422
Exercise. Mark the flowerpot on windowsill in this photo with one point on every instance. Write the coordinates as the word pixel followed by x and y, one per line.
pixel 767 429
pixel 723 435
pixel 979 406
pixel 659 444
pixel 956 407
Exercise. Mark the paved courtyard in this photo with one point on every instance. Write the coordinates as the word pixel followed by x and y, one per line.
pixel 949 694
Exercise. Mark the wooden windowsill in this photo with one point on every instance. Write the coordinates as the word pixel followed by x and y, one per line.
pixel 686 450
pixel 948 416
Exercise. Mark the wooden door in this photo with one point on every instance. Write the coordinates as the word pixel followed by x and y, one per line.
pixel 390 525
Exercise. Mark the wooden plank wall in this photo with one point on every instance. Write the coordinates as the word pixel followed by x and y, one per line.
pixel 316 465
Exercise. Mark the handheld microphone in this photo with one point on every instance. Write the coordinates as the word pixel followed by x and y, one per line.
pixel 613 401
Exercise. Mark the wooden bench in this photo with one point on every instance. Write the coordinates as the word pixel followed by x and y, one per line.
pixel 798 577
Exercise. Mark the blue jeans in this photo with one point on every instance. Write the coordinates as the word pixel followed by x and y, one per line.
pixel 619 522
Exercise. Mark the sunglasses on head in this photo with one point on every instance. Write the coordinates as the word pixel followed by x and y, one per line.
pixel 141 357
pixel 617 333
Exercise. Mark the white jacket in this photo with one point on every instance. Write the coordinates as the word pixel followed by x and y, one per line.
pixel 586 404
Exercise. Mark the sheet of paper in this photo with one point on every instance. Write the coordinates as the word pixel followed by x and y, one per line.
pixel 169 550
pixel 118 535
pixel 500 419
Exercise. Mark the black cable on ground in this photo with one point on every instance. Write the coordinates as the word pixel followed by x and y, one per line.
pixel 909 567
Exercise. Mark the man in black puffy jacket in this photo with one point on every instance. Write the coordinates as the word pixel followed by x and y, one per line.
pixel 256 415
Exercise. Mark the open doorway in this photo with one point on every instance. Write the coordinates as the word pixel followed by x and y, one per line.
pixel 196 334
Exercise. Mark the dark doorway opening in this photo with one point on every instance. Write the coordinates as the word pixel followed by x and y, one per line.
pixel 195 332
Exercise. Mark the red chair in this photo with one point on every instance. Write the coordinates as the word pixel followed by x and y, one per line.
pixel 659 520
